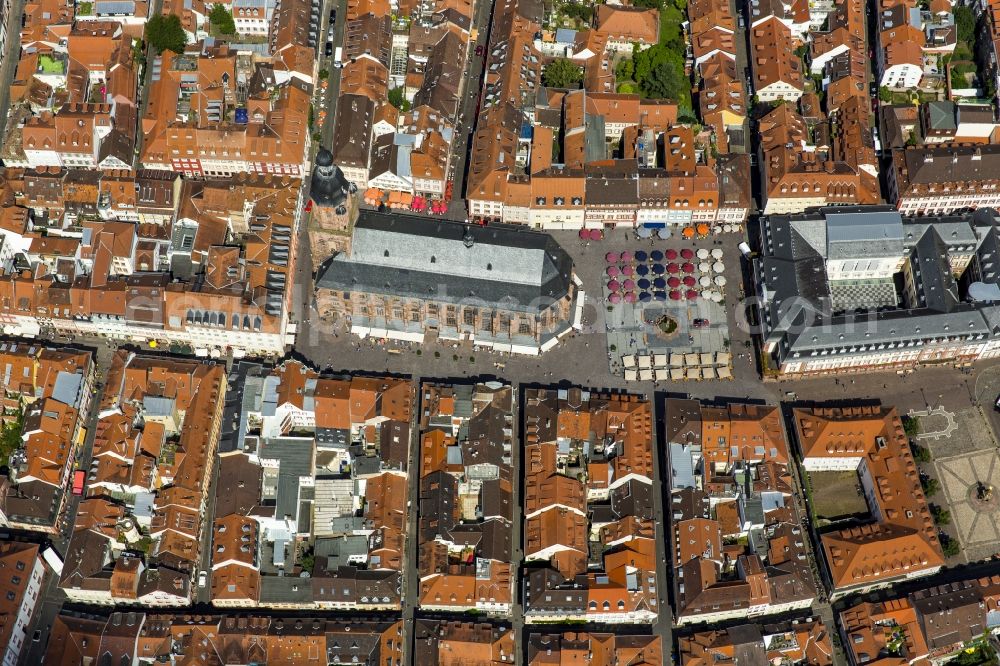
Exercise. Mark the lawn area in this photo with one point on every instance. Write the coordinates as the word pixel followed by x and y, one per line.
pixel 49 65
pixel 837 495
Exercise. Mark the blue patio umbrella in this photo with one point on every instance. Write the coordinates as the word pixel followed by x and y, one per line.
pixel 660 283
pixel 660 295
pixel 644 297
pixel 656 255
pixel 643 283
pixel 641 255
pixel 658 269
pixel 642 269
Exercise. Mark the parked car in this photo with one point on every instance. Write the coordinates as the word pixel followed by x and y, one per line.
pixel 700 323
pixel 202 579
pixel 997 403
pixel 328 50
pixel 479 50
pixel 333 16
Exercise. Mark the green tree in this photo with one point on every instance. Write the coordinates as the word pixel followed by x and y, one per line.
pixel 575 11
pixel 660 75
pixel 941 515
pixel 165 33
pixel 10 437
pixel 911 426
pixel 949 547
pixel 884 94
pixel 966 22
pixel 397 100
pixel 222 20
pixel 931 486
pixel 625 70
pixel 920 453
pixel 562 73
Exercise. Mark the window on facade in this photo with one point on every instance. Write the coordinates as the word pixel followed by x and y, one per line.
pixel 524 327
pixel 469 316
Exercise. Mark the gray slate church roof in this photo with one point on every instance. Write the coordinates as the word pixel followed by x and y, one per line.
pixel 417 257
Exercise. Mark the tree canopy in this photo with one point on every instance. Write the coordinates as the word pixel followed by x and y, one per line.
pixel 222 19
pixel 165 33
pixel 660 74
pixel 966 22
pixel 562 73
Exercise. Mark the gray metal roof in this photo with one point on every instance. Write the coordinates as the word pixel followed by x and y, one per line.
pixel 418 257
pixel 295 460
pixel 864 234
pixel 67 388
pixel 121 7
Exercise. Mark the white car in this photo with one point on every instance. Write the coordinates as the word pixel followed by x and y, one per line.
pixel 203 579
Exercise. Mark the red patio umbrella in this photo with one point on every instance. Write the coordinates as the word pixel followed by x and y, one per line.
pixel 596 234
pixel 691 295
pixel 630 297
pixel 673 282
pixel 628 285
pixel 671 254
pixel 626 257
pixel 615 298
pixel 612 271
pixel 611 257
pixel 585 234
pixel 628 270
pixel 687 253
pixel 688 267
pixel 675 295
pixel 614 286
pixel 673 269
pixel 690 281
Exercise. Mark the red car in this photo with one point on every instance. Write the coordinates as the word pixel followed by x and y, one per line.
pixel 479 50
pixel 700 323
pixel 79 477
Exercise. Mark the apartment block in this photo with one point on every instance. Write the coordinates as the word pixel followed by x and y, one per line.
pixel 805 642
pixel 312 481
pixel 909 35
pixel 374 144
pixel 74 94
pixel 137 637
pixel 931 625
pixel 738 548
pixel 46 393
pixel 589 539
pixel 900 542
pixel 442 642
pixel 145 255
pixel 21 577
pixel 939 180
pixel 596 648
pixel 466 498
pixel 138 535
pixel 591 157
